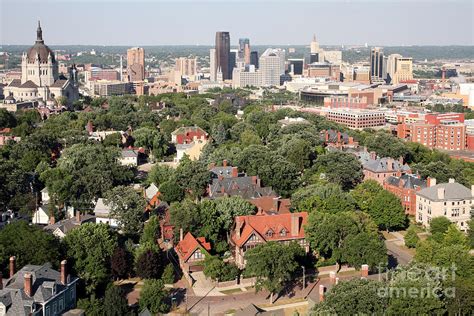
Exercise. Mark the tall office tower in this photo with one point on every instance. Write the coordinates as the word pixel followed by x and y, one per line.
pixel 242 43
pixel 254 58
pixel 314 51
pixel 399 68
pixel 136 64
pixel 376 64
pixel 223 54
pixel 247 54
pixel 232 60
pixel 314 46
pixel 212 64
pixel 186 66
pixel 272 67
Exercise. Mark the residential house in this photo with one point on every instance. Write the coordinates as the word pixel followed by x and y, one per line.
pixel 192 252
pixel 227 181
pixel 405 188
pixel 336 139
pixel 271 205
pixel 189 140
pixel 6 137
pixel 129 157
pixel 152 194
pixel 37 290
pixel 61 228
pixel 379 169
pixel 167 231
pixel 452 200
pixel 252 230
pixel 102 214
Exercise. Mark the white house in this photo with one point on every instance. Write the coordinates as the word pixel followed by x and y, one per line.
pixel 129 157
pixel 41 215
pixel 102 214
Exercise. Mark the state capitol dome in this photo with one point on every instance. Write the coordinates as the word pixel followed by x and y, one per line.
pixel 39 49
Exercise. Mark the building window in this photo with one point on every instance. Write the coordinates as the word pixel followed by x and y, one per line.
pixel 198 254
pixel 420 217
pixel 283 232
pixel 269 233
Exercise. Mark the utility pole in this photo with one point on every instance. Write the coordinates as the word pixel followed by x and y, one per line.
pixel 304 277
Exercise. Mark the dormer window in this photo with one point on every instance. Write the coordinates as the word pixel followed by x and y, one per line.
pixel 283 232
pixel 269 233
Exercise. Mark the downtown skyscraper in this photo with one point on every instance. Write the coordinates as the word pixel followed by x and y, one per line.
pixel 222 60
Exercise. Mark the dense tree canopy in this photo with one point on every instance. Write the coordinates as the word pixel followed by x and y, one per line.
pixel 340 168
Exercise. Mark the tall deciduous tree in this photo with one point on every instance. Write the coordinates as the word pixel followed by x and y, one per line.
pixel 193 177
pixel 273 264
pixel 149 264
pixel 387 212
pixel 91 247
pixel 411 237
pixel 364 194
pixel 341 168
pixel 153 296
pixel 115 303
pixel 128 206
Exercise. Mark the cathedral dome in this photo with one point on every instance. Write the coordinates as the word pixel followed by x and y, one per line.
pixel 39 49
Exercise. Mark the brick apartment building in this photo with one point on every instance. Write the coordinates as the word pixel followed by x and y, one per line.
pixel 405 188
pixel 379 169
pixel 445 131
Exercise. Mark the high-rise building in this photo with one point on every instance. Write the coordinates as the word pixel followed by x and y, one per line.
pixel 212 64
pixel 186 66
pixel 223 54
pixel 295 66
pixel 242 43
pixel 247 54
pixel 399 68
pixel 314 46
pixel 232 60
pixel 272 66
pixel 376 65
pixel 254 58
pixel 136 64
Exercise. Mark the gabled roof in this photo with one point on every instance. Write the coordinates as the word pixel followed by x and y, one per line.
pixel 452 191
pixel 409 181
pixel 59 83
pixel 66 225
pixel 186 247
pixel 15 83
pixel 101 209
pixel 29 84
pixel 151 191
pixel 246 187
pixel 385 164
pixel 261 224
pixel 271 204
pixel 187 129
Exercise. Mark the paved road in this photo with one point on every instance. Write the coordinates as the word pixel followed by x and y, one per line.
pixel 403 257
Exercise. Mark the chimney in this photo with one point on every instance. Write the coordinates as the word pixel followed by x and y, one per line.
pixel 441 193
pixel 52 220
pixel 451 180
pixel 373 155
pixel 254 179
pixel 235 172
pixel 430 182
pixel 326 136
pixel 180 234
pixel 12 266
pixel 224 163
pixel 322 289
pixel 238 227
pixel 28 284
pixel 78 216
pixel 364 271
pixel 259 182
pixel 400 160
pixel 332 277
pixel 390 163
pixel 295 224
pixel 351 140
pixel 1 280
pixel 399 173
pixel 338 137
pixel 64 272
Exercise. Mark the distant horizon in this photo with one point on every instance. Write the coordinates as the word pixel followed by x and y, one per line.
pixel 185 23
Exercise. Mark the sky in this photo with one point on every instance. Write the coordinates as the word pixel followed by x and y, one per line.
pixel 178 22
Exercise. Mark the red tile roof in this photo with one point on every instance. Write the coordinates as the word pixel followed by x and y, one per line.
pixel 268 204
pixel 261 224
pixel 186 247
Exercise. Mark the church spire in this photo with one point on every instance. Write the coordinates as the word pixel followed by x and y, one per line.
pixel 39 33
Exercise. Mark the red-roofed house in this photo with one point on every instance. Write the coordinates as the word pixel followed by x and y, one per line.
pixel 192 252
pixel 271 204
pixel 253 230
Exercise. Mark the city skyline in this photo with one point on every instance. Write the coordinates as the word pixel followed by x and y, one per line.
pixel 154 25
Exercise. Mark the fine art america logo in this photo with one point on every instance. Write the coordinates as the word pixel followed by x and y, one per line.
pixel 418 281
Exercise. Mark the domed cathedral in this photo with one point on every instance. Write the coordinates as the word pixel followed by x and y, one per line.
pixel 40 79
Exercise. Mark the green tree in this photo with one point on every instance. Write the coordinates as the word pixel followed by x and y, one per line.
pixel 91 247
pixel 340 168
pixel 365 248
pixel 453 236
pixel 470 233
pixel 386 145
pixel 29 245
pixel 438 226
pixel 185 215
pixel 151 231
pixel 193 177
pixel 128 206
pixel 356 296
pixel 160 174
pixel 153 296
pixel 218 270
pixel 120 263
pixel 364 194
pixel 152 140
pixel 170 191
pixel 387 212
pixel 411 237
pixel 149 265
pixel 115 302
pixel 322 198
pixel 297 151
pixel 273 274
pixel 249 137
pixel 7 119
pixel 169 275
pixel 113 140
